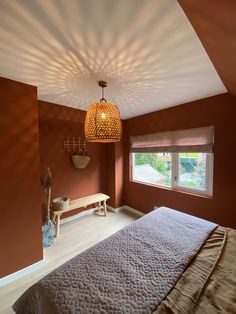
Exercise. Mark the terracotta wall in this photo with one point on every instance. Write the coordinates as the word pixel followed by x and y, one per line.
pixel 219 111
pixel 55 123
pixel 110 170
pixel 119 173
pixel 21 194
pixel 20 224
pixel 115 170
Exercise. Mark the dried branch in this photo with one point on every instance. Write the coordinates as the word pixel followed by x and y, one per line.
pixel 46 180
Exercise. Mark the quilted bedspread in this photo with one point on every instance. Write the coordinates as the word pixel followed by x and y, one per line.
pixel 129 272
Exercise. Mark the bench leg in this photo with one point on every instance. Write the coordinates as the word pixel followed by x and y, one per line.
pixel 99 207
pixel 57 225
pixel 105 208
pixel 53 218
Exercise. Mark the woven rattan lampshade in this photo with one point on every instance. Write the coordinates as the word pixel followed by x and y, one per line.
pixel 102 123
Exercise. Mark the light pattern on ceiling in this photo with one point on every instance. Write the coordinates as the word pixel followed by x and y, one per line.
pixel 146 50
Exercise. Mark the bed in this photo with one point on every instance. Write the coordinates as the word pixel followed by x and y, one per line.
pixel 165 262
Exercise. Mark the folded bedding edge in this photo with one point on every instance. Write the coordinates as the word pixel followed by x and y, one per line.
pixel 187 292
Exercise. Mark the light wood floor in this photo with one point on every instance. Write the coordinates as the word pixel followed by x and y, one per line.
pixel 75 237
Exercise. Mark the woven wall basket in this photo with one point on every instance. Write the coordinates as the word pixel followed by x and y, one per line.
pixel 80 161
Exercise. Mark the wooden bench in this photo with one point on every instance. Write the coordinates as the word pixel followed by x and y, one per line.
pixel 98 198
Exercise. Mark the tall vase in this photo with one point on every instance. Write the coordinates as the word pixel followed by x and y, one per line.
pixel 48 232
pixel 48 226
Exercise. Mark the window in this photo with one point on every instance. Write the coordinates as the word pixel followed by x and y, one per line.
pixel 180 159
pixel 191 172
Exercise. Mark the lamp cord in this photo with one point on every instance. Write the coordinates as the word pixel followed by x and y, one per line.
pixel 103 99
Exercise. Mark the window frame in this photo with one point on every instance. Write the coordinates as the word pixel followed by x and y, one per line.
pixel 175 175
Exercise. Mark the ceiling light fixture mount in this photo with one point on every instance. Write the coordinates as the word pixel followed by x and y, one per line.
pixel 102 84
pixel 103 123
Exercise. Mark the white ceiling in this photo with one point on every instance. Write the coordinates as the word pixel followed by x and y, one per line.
pixel 146 50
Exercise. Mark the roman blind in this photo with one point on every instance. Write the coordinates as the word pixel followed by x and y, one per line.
pixel 188 140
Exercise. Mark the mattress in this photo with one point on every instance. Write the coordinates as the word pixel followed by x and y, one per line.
pixel 138 270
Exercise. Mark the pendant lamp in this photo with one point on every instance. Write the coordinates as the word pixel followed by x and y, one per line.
pixel 102 122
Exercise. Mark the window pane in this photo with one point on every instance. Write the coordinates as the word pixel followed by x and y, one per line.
pixel 154 168
pixel 192 170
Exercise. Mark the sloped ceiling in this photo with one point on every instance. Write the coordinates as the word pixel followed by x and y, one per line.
pixel 146 50
pixel 215 24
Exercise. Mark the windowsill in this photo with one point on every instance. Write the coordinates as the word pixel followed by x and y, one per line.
pixel 192 193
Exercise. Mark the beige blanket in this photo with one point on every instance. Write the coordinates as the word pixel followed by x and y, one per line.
pixel 209 283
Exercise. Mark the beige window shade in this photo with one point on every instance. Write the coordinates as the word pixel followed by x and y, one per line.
pixel 188 140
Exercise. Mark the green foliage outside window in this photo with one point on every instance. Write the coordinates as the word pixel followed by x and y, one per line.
pixel 163 167
pixel 195 170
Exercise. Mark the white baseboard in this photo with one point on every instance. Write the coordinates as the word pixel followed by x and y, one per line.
pixel 92 210
pixel 125 207
pixel 115 210
pixel 22 272
pixel 79 215
pixel 134 211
